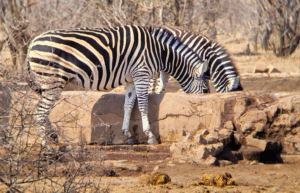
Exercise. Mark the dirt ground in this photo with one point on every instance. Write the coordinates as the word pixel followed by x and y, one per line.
pixel 185 178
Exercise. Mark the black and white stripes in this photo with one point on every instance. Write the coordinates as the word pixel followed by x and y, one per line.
pixel 217 66
pixel 104 58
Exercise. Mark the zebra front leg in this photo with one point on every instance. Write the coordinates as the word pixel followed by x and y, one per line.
pixel 130 97
pixel 141 88
pixel 153 85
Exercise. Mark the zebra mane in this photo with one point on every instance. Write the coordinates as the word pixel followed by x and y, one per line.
pixel 176 43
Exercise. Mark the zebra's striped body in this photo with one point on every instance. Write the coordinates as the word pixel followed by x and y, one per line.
pixel 217 64
pixel 104 58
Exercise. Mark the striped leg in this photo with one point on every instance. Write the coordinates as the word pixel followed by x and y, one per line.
pixel 49 94
pixel 141 86
pixel 153 84
pixel 130 97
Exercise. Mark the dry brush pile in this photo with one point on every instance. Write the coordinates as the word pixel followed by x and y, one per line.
pixel 26 165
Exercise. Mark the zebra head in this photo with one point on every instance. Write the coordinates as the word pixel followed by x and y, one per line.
pixel 231 84
pixel 223 73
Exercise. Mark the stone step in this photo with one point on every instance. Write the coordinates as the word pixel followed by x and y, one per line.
pixel 143 156
pixel 124 152
pixel 134 148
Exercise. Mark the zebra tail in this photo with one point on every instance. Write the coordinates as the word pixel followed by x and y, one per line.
pixel 30 79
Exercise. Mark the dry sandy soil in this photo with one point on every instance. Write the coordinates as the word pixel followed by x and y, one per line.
pixel 184 178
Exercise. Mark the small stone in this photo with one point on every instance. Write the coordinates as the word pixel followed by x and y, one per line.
pixel 282 120
pixel 179 148
pixel 180 186
pixel 225 162
pixel 156 168
pixel 128 166
pixel 237 137
pixel 239 108
pixel 228 125
pixel 212 137
pixel 215 149
pixel 250 152
pixel 259 127
pixel 172 165
pixel 225 136
pixel 271 112
pixel 188 138
pixel 247 120
pixel 261 144
pixel 211 161
pixel 202 152
pixel 199 136
pixel 182 161
pixel 145 179
pixel 247 127
pixel 276 189
pixel 285 104
pixel 295 119
pixel 202 140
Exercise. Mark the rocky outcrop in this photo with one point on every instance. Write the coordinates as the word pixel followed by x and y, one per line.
pixel 204 128
pixel 172 113
pixel 260 121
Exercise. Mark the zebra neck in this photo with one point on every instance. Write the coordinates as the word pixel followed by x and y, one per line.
pixel 177 58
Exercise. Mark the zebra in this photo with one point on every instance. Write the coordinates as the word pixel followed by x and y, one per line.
pixel 217 65
pixel 104 58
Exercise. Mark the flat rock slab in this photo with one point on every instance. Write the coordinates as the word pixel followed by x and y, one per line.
pixel 171 114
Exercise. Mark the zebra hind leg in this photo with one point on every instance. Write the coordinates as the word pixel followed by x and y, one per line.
pixel 46 103
pixel 130 98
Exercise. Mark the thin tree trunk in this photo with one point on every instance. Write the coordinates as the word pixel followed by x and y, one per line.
pixel 266 38
pixel 177 8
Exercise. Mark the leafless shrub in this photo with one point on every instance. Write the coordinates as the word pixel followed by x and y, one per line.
pixel 26 165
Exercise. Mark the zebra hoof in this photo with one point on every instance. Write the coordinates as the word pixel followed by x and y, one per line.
pixel 131 141
pixel 152 141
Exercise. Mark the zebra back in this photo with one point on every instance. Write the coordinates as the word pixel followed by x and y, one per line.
pixel 104 58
